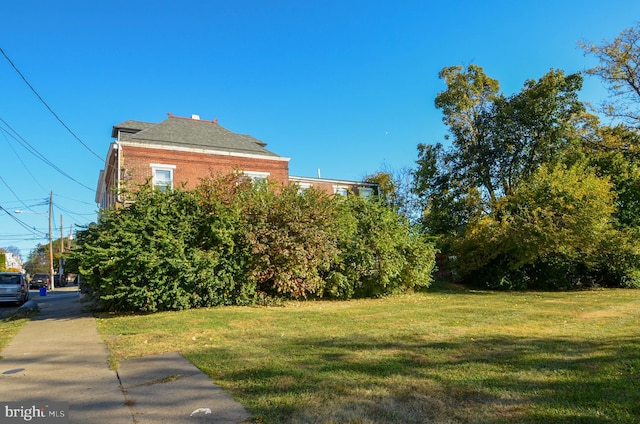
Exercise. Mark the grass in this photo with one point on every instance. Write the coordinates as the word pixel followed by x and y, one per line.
pixel 442 356
pixel 9 327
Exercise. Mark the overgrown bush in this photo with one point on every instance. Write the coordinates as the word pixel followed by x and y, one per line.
pixel 234 242
pixel 556 231
pixel 380 253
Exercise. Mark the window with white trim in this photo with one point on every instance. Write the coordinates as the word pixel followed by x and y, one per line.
pixel 162 176
pixel 256 177
pixel 340 190
pixel 365 191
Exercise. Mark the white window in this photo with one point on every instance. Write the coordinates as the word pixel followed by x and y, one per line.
pixel 162 176
pixel 340 190
pixel 365 191
pixel 256 177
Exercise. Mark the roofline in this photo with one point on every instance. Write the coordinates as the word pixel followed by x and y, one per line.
pixel 205 151
pixel 328 181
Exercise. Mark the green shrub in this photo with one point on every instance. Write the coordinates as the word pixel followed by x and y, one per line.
pixel 380 252
pixel 556 231
pixel 230 242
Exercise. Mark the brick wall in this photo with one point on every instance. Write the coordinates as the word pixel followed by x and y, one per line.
pixel 191 166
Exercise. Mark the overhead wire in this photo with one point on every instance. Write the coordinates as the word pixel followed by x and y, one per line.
pixel 75 200
pixel 37 154
pixel 24 224
pixel 22 162
pixel 12 133
pixel 14 193
pixel 47 106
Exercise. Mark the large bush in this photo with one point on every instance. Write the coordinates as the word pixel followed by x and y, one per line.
pixel 380 253
pixel 233 242
pixel 556 231
pixel 151 255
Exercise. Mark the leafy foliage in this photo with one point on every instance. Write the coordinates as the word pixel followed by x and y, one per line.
pixel 550 233
pixel 380 253
pixel 234 242
pixel 291 239
pixel 532 191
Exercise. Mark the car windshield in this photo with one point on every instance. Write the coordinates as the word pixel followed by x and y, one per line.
pixel 9 279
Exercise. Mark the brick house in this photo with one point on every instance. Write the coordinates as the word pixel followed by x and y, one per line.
pixel 182 150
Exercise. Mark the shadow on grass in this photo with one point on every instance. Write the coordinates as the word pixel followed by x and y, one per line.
pixel 411 380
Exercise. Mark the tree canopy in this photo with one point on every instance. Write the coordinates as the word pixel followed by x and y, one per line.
pixel 531 188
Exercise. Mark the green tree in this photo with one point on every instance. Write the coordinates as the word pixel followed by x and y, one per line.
pixel 497 141
pixel 145 256
pixel 615 153
pixel 521 197
pixel 467 105
pixel 38 260
pixel 549 233
pixel 387 187
pixel 395 187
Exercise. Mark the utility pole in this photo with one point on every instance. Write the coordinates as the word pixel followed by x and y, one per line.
pixel 61 236
pixel 61 261
pixel 70 235
pixel 51 240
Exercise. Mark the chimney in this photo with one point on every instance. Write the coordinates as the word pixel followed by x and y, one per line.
pixel 195 117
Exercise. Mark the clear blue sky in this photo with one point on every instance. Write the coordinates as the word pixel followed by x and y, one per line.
pixel 344 86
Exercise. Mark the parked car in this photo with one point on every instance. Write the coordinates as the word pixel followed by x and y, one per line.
pixel 13 287
pixel 39 280
pixel 59 282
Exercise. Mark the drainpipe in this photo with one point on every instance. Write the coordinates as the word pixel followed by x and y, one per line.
pixel 116 146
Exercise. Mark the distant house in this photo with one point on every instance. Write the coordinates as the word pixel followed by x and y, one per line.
pixel 182 150
pixel 12 261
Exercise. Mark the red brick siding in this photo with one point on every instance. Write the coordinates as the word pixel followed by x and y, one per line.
pixel 191 166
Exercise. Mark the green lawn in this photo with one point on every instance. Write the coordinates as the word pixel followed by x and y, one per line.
pixel 441 356
pixel 9 327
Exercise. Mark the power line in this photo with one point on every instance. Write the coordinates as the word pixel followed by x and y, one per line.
pixel 46 105
pixel 22 162
pixel 14 193
pixel 36 153
pixel 75 200
pixel 23 224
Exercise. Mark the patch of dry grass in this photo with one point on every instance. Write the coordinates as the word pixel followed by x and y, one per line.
pixel 9 327
pixel 443 357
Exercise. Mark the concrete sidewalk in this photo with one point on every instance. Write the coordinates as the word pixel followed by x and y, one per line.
pixel 59 357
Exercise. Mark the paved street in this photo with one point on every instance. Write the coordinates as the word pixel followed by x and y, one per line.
pixel 58 358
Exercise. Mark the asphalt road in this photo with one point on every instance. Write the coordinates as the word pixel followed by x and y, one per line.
pixel 7 309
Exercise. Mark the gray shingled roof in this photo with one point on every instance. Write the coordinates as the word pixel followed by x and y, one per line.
pixel 192 133
pixel 131 126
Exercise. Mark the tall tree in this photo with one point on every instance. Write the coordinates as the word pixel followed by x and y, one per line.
pixel 619 69
pixel 496 141
pixel 466 105
pixel 531 127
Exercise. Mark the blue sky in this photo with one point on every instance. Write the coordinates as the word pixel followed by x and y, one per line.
pixel 343 86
